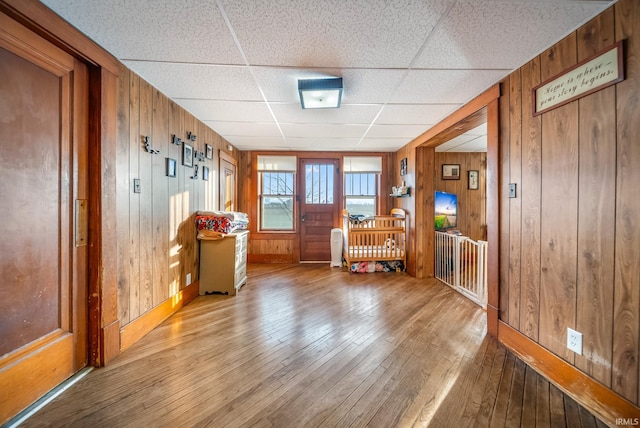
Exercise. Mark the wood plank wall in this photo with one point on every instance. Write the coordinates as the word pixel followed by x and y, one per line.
pixel 570 241
pixel 156 245
pixel 283 247
pixel 472 220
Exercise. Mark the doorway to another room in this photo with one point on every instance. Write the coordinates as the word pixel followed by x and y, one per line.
pixel 460 213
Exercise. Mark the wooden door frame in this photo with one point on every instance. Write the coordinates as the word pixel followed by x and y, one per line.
pixel 484 107
pixel 104 69
pixel 225 157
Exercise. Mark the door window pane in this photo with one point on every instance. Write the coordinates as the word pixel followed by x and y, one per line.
pixel 318 184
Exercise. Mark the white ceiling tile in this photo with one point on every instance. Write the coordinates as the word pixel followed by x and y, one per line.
pixel 294 113
pixel 460 139
pixel 183 31
pixel 205 81
pixel 445 86
pixel 254 143
pixel 339 33
pixel 396 131
pixel 415 113
pixel 464 143
pixel 383 144
pixel 324 144
pixel 317 130
pixel 478 130
pixel 462 39
pixel 226 111
pixel 246 129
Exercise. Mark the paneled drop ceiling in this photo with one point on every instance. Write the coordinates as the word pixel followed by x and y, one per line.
pixel 405 64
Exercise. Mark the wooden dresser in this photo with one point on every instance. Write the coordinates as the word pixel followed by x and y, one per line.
pixel 223 264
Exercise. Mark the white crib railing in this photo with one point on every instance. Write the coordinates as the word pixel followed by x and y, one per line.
pixel 461 263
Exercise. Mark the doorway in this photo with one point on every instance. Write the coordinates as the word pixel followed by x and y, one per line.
pixel 43 188
pixel 319 207
pixel 227 182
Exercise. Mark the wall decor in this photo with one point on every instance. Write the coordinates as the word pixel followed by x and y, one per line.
pixel 187 154
pixel 588 76
pixel 195 172
pixel 474 180
pixel 176 140
pixel 403 166
pixel 191 136
pixel 147 146
pixel 205 173
pixel 209 150
pixel 199 156
pixel 171 167
pixel 450 171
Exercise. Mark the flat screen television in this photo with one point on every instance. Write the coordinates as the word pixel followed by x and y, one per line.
pixel 446 207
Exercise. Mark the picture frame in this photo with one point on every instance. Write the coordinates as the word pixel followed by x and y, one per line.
pixel 473 179
pixel 172 166
pixel 450 171
pixel 403 166
pixel 209 151
pixel 187 155
pixel 205 173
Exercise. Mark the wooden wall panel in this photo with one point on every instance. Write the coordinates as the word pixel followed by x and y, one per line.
pixel 145 166
pixel 515 204
pixel 160 197
pixel 122 203
pixel 580 227
pixel 176 117
pixel 134 198
pixel 156 231
pixel 189 246
pixel 529 194
pixel 504 136
pixel 597 189
pixel 559 209
pixel 627 215
pixel 423 162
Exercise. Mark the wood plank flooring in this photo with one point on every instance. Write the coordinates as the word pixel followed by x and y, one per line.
pixel 313 346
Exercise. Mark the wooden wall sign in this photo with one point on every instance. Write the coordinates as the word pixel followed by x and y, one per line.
pixel 588 76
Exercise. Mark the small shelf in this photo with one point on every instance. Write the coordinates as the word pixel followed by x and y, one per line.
pixel 402 195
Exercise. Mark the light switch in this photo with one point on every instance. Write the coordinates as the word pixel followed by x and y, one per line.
pixel 512 190
pixel 137 188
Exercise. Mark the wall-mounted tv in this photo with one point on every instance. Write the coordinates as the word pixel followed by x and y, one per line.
pixel 446 207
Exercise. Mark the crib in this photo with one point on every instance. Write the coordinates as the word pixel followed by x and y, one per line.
pixel 381 238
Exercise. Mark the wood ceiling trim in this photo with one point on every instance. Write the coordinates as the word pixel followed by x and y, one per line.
pixel 467 117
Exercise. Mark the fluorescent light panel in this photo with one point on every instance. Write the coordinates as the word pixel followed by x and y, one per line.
pixel 320 93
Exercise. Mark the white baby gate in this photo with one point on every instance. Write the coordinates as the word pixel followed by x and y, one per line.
pixel 461 263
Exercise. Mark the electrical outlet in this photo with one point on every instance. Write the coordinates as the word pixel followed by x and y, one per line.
pixel 574 341
pixel 188 279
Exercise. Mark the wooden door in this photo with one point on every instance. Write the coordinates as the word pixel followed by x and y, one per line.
pixel 319 207
pixel 227 182
pixel 43 255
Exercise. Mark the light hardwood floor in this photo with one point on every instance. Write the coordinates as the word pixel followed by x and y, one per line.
pixel 314 346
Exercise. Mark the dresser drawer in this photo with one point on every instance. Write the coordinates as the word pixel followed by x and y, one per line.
pixel 241 276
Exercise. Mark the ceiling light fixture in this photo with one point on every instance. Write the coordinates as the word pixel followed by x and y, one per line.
pixel 320 93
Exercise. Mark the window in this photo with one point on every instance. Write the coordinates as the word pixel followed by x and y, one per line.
pixel 276 186
pixel 361 182
pixel 360 191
